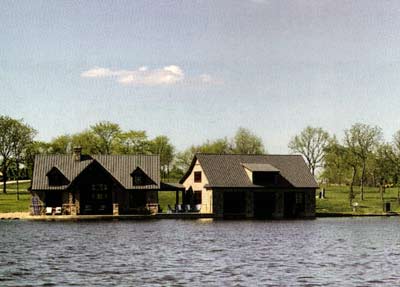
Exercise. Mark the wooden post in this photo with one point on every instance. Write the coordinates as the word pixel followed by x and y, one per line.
pixel 177 197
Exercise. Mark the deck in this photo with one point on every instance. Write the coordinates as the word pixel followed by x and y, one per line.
pixel 186 215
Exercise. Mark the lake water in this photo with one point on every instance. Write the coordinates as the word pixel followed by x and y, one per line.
pixel 321 252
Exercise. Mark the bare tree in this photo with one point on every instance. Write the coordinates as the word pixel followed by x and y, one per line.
pixel 311 143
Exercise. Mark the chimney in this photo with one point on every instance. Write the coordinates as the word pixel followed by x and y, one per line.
pixel 77 153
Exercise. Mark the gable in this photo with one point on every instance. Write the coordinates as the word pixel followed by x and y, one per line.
pixel 56 178
pixel 140 178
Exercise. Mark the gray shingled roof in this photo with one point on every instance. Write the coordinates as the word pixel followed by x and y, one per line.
pixel 226 170
pixel 119 166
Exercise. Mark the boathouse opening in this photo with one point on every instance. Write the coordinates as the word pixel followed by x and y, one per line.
pixel 264 205
pixel 234 203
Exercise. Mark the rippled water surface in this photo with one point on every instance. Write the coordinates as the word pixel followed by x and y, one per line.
pixel 322 252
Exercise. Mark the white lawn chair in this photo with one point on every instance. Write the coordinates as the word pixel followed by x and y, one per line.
pixel 49 210
pixel 58 210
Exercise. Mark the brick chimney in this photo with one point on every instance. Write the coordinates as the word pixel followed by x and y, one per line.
pixel 77 153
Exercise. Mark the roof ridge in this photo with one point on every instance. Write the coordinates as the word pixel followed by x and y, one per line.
pixel 241 154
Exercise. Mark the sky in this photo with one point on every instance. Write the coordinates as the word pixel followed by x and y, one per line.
pixel 198 70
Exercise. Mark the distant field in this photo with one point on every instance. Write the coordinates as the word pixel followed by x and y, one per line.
pixel 337 200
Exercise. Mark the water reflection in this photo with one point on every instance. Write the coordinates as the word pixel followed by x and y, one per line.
pixel 323 252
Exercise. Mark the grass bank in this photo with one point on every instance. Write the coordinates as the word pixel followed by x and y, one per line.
pixel 337 200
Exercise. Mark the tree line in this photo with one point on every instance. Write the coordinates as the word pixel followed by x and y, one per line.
pixel 18 147
pixel 361 158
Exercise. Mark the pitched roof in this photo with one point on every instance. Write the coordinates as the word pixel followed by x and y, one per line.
pixel 119 166
pixel 226 170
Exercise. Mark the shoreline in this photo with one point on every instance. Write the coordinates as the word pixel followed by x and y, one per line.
pixel 192 216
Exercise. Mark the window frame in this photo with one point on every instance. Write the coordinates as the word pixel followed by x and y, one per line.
pixel 197 176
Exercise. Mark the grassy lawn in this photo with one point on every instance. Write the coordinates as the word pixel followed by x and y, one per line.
pixel 337 200
pixel 9 202
pixel 167 197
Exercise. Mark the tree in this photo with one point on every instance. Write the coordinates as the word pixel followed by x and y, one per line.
pixel 245 142
pixel 392 154
pixel 88 141
pixel 106 133
pixel 133 142
pixel 162 146
pixel 384 166
pixel 22 138
pixel 15 136
pixel 218 146
pixel 311 143
pixel 361 140
pixel 33 149
pixel 335 168
pixel 61 145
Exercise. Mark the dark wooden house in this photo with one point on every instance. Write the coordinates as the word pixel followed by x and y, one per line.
pixel 98 184
pixel 261 186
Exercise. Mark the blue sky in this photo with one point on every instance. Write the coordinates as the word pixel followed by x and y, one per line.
pixel 197 70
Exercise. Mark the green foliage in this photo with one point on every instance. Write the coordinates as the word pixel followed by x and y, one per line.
pixel 360 142
pixel 33 149
pixel 162 146
pixel 311 143
pixel 132 142
pixel 15 138
pixel 336 169
pixel 88 142
pixel 106 135
pixel 246 142
pixel 61 145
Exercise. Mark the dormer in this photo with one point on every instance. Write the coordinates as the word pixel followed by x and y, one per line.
pixel 140 178
pixel 56 178
pixel 261 173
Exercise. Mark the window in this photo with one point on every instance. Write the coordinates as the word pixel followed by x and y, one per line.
pixel 99 187
pixel 197 197
pixel 137 179
pixel 56 178
pixel 265 178
pixel 197 176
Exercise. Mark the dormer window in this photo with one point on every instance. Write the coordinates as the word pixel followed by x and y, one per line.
pixel 197 176
pixel 56 178
pixel 263 178
pixel 262 173
pixel 139 177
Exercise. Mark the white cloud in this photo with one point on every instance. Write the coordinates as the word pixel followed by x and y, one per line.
pixel 142 76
